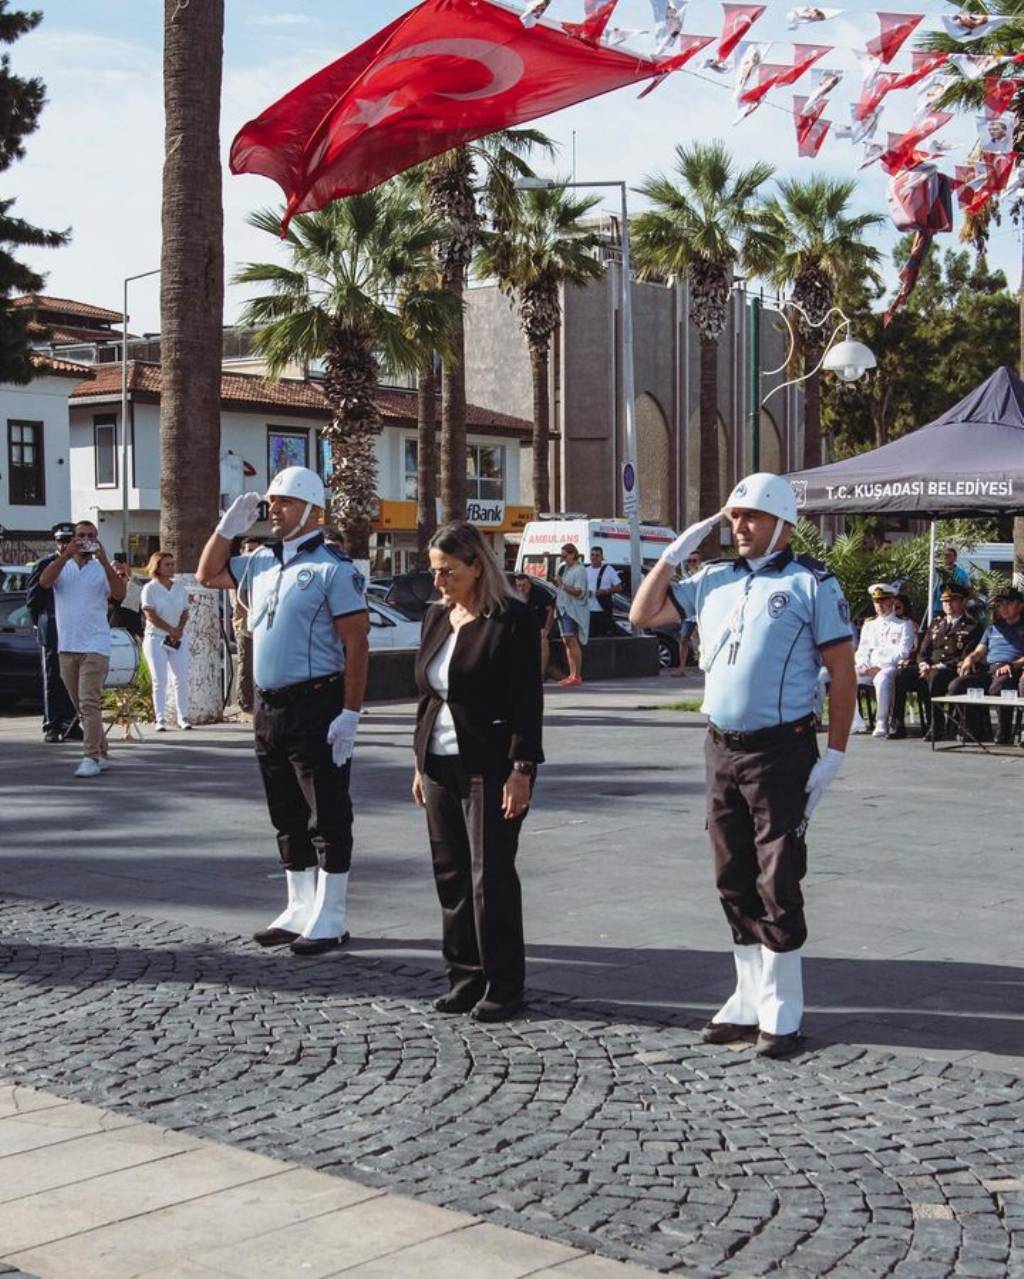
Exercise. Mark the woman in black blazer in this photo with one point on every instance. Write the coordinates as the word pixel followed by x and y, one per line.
pixel 478 744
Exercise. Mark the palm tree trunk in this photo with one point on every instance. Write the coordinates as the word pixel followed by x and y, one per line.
pixel 350 388
pixel 710 497
pixel 192 278
pixel 541 424
pixel 426 460
pixel 812 411
pixel 453 409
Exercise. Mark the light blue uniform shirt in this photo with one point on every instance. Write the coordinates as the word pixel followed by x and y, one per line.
pixel 292 610
pixel 761 636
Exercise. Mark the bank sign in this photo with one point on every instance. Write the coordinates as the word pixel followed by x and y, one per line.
pixel 489 514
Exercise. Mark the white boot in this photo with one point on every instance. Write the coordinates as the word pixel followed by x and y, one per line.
pixel 741 1007
pixel 326 928
pixel 297 914
pixel 781 1005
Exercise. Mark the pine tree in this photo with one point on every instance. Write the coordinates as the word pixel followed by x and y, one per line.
pixel 21 102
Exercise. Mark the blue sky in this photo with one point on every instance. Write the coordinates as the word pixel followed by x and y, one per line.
pixel 94 164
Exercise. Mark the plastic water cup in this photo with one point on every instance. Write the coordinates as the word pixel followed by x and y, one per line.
pixel 1008 694
pixel 975 694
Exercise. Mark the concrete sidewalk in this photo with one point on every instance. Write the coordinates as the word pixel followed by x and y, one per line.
pixel 88 1194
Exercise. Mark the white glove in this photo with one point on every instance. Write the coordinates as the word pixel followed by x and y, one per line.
pixel 342 736
pixel 690 540
pixel 823 774
pixel 240 516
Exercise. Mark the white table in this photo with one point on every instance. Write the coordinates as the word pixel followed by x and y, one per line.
pixel 1014 703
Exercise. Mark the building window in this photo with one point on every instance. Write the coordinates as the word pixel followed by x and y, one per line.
pixel 104 442
pixel 286 448
pixel 409 471
pixel 485 471
pixel 26 480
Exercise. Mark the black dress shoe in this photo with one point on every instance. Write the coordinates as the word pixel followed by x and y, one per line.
pixel 274 937
pixel 52 736
pixel 726 1032
pixel 487 1011
pixel 778 1045
pixel 317 945
pixel 456 1001
pixel 897 733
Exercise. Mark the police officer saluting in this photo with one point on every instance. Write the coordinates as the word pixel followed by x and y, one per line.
pixel 768 621
pixel 308 620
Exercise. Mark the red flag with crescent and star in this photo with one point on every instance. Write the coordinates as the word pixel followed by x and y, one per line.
pixel 445 73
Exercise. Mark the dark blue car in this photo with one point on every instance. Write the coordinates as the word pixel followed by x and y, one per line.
pixel 20 671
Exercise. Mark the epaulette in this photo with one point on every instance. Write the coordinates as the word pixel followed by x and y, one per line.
pixel 821 571
pixel 338 553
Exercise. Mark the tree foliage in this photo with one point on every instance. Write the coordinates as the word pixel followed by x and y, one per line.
pixel 21 103
pixel 959 326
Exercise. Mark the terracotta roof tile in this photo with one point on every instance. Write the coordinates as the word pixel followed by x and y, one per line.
pixel 44 302
pixel 250 391
pixel 61 333
pixel 62 368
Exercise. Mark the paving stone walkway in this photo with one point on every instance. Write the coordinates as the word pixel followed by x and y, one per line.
pixel 633 1141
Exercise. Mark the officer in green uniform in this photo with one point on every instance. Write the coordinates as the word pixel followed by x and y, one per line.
pixel 308 619
pixel 942 648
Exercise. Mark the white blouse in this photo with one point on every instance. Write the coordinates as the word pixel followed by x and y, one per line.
pixel 168 604
pixel 443 740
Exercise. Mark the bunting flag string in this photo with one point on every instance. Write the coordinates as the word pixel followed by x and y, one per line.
pixel 823 81
pixel 894 30
pixel 999 94
pixel 690 46
pixel 811 129
pixel 810 14
pixel 971 26
pixel 596 16
pixel 770 75
pixel 995 133
pixel 739 18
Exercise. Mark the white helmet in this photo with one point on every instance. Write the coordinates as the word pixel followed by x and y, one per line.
pixel 765 492
pixel 299 482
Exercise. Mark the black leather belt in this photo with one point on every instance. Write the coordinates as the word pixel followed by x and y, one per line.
pixel 761 737
pixel 276 697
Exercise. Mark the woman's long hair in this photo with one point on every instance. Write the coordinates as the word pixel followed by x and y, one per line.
pixel 462 541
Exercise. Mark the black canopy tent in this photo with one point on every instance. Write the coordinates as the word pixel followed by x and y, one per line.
pixel 968 462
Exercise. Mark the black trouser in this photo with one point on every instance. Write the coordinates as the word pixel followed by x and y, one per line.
pixel 246 687
pixel 473 848
pixel 601 623
pixel 307 794
pixel 756 801
pixel 977 721
pixel 58 709
pixel 935 684
pixel 908 680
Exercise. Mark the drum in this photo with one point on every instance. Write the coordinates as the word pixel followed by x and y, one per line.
pixel 124 659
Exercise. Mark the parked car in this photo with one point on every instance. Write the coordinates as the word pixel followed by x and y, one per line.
pixel 14 577
pixel 389 628
pixel 20 669
pixel 410 593
pixel 668 640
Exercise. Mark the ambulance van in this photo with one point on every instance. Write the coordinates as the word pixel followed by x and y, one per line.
pixel 540 550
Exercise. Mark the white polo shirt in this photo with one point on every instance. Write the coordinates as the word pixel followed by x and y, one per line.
pixel 80 602
pixel 601 579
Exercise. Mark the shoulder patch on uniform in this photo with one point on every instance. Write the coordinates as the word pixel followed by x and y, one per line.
pixel 821 571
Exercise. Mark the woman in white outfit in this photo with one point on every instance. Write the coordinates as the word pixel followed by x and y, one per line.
pixel 165 643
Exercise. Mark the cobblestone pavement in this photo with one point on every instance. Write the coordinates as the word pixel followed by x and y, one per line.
pixel 634 1141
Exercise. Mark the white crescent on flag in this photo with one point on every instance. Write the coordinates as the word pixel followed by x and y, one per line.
pixel 504 64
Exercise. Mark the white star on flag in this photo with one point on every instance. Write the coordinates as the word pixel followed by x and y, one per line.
pixel 371 111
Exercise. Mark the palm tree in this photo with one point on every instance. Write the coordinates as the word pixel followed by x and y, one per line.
pixel 338 301
pixel 821 253
pixel 703 229
pixel 452 189
pixel 191 277
pixel 543 249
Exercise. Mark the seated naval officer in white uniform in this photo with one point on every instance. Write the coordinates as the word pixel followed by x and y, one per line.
pixel 885 641
pixel 768 620
pixel 308 620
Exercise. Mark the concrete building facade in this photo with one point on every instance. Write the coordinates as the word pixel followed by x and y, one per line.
pixel 588 420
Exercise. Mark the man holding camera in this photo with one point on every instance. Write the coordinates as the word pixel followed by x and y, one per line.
pixel 83 580
pixel 58 712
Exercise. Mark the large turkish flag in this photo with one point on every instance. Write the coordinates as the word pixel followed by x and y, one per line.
pixel 445 73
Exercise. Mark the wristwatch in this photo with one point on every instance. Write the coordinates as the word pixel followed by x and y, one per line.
pixel 523 766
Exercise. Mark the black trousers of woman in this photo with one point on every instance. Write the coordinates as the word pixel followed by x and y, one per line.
pixel 474 854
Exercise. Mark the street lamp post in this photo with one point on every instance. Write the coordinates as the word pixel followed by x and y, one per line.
pixel 124 407
pixel 630 472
